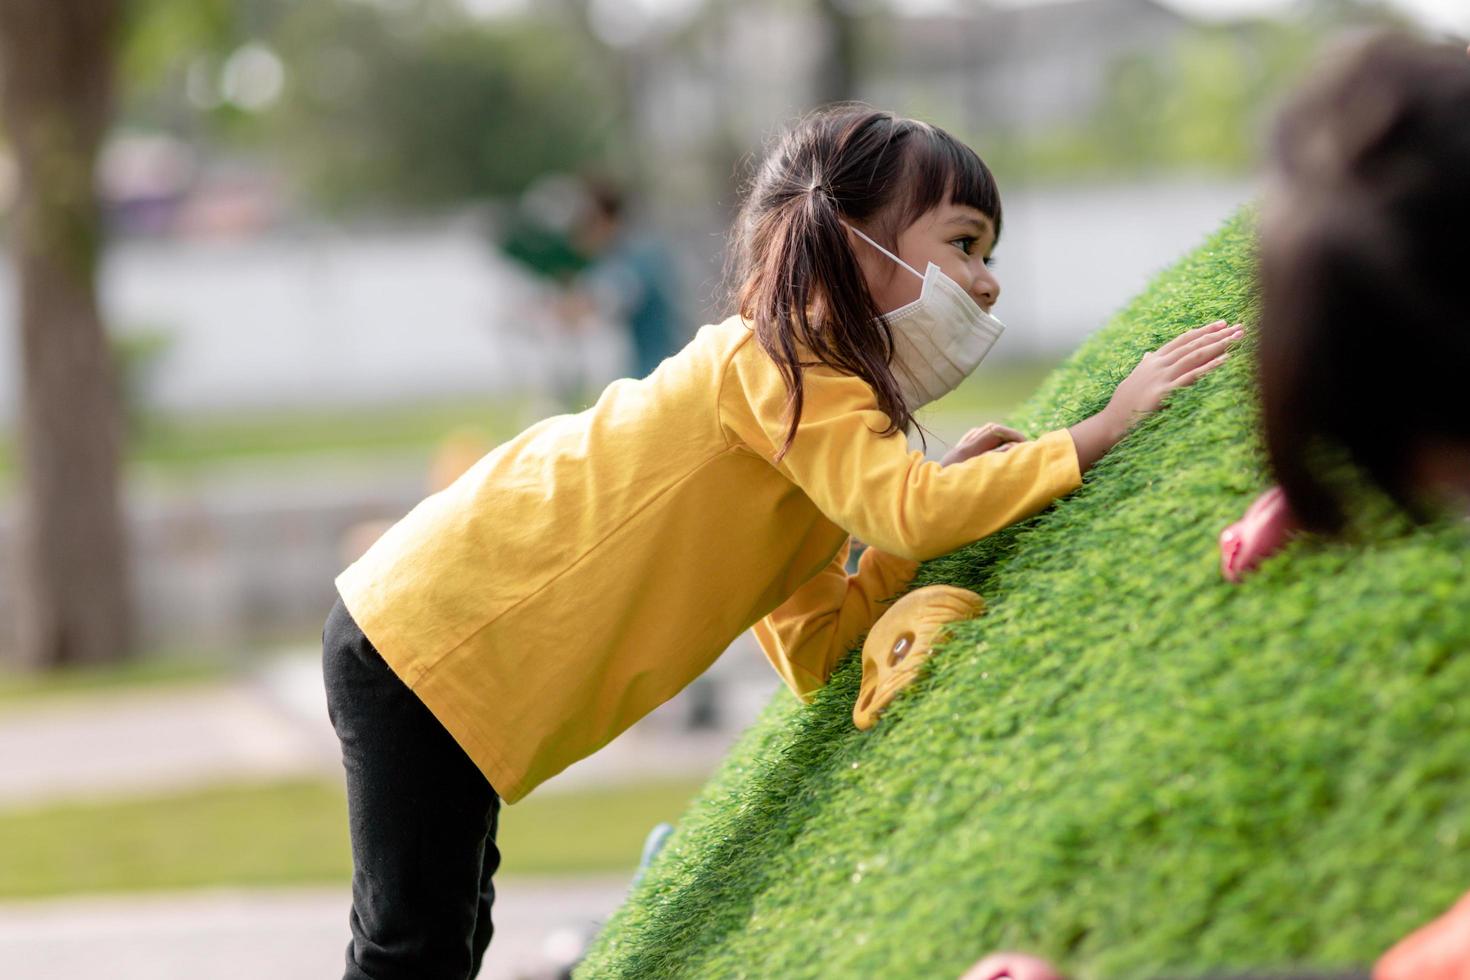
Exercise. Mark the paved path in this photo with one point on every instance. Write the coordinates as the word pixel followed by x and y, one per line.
pixel 155 741
pixel 280 934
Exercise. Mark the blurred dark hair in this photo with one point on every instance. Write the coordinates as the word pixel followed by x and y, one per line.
pixel 1365 330
pixel 605 195
pixel 795 274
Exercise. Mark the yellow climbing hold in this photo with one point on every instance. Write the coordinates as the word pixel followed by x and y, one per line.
pixel 902 640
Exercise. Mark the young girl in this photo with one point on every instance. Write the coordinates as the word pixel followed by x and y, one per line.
pixel 584 572
pixel 1363 232
pixel 1363 241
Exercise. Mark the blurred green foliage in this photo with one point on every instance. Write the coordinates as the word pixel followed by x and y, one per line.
pixel 392 109
pixel 1199 105
pixel 160 33
pixel 413 103
pixel 418 104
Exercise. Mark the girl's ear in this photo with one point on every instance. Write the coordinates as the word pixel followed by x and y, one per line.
pixel 873 265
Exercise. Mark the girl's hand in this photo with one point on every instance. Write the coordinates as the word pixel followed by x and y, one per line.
pixel 1179 363
pixel 1182 361
pixel 988 437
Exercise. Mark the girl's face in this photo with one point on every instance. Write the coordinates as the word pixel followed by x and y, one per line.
pixel 955 237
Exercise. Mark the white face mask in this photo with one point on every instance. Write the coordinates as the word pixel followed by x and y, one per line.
pixel 939 338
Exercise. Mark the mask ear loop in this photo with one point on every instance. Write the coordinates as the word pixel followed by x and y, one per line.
pixel 881 249
pixel 901 262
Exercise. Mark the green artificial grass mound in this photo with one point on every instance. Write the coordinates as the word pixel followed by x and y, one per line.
pixel 1126 764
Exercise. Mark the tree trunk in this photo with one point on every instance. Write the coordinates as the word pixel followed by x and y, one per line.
pixel 56 66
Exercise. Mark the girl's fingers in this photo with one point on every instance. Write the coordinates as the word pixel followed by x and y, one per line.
pixel 976 433
pixel 1202 342
pixel 1008 434
pixel 1202 351
pixel 1188 379
pixel 991 435
pixel 1188 336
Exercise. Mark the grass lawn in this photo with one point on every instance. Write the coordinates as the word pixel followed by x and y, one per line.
pixel 154 672
pixel 181 444
pixel 1126 764
pixel 296 833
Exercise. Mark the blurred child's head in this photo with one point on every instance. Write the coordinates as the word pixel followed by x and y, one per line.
pixel 600 219
pixel 805 281
pixel 1365 333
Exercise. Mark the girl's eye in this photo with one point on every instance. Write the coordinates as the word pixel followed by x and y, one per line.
pixel 966 243
pixel 990 261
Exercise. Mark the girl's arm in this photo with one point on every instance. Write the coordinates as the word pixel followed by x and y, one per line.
pixel 804 637
pixel 892 497
pixel 807 634
pixel 878 489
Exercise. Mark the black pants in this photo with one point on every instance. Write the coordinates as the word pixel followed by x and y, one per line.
pixel 422 818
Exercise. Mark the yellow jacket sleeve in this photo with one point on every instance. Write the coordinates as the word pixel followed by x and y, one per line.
pixel 807 634
pixel 880 491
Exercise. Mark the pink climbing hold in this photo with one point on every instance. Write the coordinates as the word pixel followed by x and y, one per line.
pixel 1267 525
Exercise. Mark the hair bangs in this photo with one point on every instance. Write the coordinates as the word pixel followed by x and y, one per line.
pixel 942 168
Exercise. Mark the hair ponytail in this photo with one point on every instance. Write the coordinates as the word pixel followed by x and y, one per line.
pixel 810 293
pixel 800 282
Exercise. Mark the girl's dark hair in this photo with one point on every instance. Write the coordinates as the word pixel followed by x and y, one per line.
pixel 796 276
pixel 1365 332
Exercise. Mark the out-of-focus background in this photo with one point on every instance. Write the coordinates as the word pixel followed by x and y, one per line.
pixel 276 269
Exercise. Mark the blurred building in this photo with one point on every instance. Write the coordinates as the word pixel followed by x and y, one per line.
pixel 758 65
pixel 1017 67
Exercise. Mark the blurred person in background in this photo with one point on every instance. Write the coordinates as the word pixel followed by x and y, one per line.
pixel 629 279
pixel 1363 230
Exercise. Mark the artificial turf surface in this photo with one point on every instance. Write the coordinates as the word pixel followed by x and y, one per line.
pixel 1126 764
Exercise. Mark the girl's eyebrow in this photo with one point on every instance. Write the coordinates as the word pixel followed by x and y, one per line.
pixel 965 221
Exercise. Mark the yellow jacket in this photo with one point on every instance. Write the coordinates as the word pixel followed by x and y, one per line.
pixel 584 572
